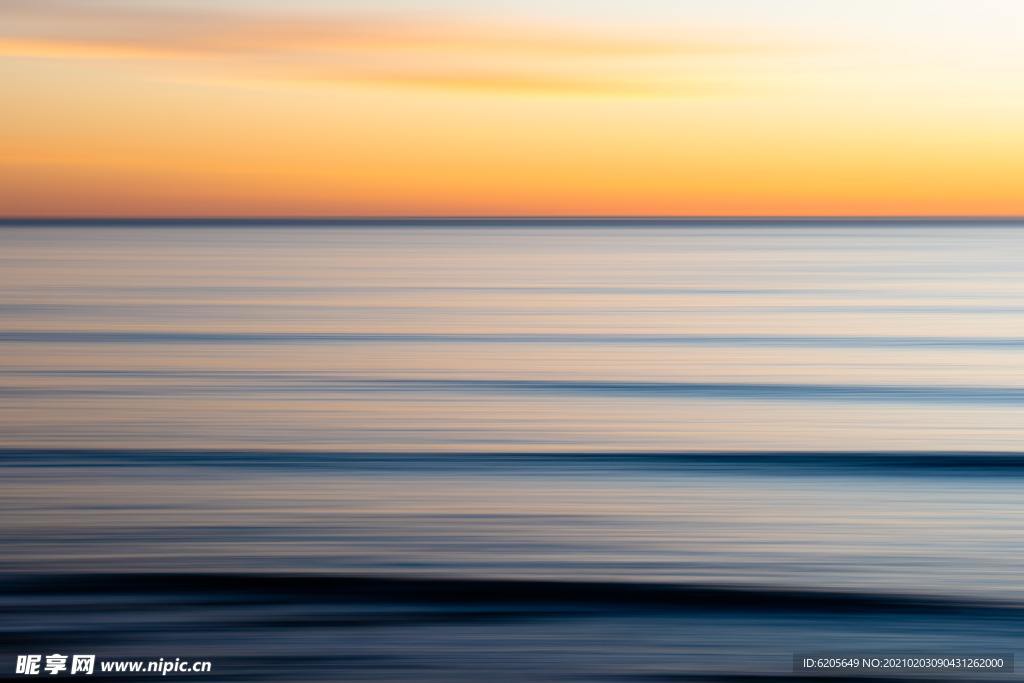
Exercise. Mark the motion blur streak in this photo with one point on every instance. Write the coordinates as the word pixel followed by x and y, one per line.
pixel 512 450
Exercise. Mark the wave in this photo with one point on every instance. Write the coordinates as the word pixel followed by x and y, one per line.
pixel 754 340
pixel 827 463
pixel 560 595
pixel 732 390
pixel 299 627
pixel 219 382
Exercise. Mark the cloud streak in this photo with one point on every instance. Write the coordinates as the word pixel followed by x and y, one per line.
pixel 363 48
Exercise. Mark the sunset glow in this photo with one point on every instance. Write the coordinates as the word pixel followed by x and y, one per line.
pixel 450 107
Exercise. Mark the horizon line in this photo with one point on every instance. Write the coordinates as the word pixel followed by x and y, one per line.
pixel 502 219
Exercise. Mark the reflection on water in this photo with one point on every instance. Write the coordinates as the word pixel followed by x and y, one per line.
pixel 524 338
pixel 517 452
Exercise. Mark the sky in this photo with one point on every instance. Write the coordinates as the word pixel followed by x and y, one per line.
pixel 480 107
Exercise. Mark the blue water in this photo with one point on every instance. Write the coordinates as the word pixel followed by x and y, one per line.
pixel 558 450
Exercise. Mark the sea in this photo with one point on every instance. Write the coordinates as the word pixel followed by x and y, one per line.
pixel 461 450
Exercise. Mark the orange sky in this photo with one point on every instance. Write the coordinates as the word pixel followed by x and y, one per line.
pixel 450 107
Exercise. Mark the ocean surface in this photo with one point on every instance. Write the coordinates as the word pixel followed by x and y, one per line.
pixel 459 451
